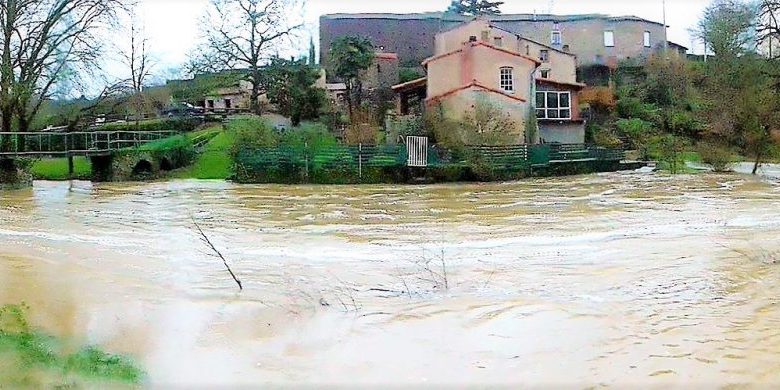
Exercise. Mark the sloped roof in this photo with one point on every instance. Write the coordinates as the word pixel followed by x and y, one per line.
pixel 492 18
pixel 421 82
pixel 485 44
pixel 474 84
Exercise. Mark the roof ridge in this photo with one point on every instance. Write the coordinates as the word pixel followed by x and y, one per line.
pixel 495 18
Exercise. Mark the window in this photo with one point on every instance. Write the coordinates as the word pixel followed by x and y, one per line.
pixel 228 103
pixel 609 38
pixel 507 80
pixel 647 38
pixel 498 42
pixel 544 56
pixel 553 105
pixel 485 36
pixel 556 39
pixel 545 73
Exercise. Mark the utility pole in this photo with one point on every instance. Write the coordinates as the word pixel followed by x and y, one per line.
pixel 666 29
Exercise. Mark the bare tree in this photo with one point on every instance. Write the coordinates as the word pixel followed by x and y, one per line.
pixel 242 35
pixel 139 64
pixel 39 40
pixel 768 28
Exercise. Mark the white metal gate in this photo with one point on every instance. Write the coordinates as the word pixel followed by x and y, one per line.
pixel 417 149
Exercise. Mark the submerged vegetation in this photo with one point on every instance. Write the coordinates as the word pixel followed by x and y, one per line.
pixel 31 358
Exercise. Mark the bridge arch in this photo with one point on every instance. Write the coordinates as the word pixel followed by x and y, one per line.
pixel 143 167
pixel 166 165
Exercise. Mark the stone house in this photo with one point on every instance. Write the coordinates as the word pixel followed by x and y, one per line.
pixel 481 62
pixel 234 97
pixel 594 38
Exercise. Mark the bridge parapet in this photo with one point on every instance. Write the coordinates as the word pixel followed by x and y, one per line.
pixel 85 143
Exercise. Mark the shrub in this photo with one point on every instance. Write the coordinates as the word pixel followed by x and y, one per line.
pixel 311 136
pixel 633 108
pixel 716 156
pixel 639 132
pixel 669 150
pixel 606 137
pixel 684 123
pixel 363 129
pixel 251 132
pixel 601 100
pixel 408 74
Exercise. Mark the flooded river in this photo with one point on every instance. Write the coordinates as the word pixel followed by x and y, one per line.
pixel 615 279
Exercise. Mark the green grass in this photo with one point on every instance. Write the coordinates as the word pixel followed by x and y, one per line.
pixel 57 168
pixel 33 359
pixel 215 162
pixel 691 156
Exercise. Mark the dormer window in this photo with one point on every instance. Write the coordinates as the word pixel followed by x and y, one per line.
pixel 556 38
pixel 545 73
pixel 507 79
pixel 498 42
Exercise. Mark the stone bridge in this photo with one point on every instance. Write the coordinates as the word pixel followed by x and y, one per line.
pixel 115 155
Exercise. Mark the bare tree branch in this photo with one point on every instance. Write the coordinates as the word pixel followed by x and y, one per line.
pixel 241 35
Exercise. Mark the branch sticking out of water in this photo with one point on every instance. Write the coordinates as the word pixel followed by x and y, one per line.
pixel 207 241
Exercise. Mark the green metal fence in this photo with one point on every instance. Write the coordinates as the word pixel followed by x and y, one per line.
pixel 371 163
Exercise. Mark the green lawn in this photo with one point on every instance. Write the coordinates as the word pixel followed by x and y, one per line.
pixel 215 162
pixel 57 168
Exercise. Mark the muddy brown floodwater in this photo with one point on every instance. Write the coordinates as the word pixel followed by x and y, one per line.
pixel 613 279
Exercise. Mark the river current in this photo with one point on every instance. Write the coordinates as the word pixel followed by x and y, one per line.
pixel 619 279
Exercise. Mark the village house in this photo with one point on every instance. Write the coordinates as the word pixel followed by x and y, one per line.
pixel 594 38
pixel 480 62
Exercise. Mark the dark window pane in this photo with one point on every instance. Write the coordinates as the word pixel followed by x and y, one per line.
pixel 541 114
pixel 552 114
pixel 540 102
pixel 565 100
pixel 566 114
pixel 552 100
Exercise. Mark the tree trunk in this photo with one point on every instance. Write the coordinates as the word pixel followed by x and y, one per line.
pixel 257 84
pixel 24 126
pixel 5 127
pixel 348 97
pixel 757 163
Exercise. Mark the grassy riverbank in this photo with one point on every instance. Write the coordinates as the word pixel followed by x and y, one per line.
pixel 214 162
pixel 33 359
pixel 57 168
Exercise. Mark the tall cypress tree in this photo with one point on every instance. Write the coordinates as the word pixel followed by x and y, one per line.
pixel 475 7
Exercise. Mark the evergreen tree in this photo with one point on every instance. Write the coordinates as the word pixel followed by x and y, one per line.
pixel 312 53
pixel 291 86
pixel 475 7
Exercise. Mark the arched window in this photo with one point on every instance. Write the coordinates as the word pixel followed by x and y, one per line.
pixel 507 79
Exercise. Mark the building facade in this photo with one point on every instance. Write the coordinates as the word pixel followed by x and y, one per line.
pixel 480 62
pixel 594 39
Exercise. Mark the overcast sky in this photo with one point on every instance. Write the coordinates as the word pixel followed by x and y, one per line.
pixel 172 25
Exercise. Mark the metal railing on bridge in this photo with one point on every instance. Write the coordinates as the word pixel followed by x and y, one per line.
pixel 32 144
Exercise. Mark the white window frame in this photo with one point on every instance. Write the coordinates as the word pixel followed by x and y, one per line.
pixel 543 112
pixel 646 38
pixel 544 73
pixel 609 38
pixel 506 79
pixel 553 40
